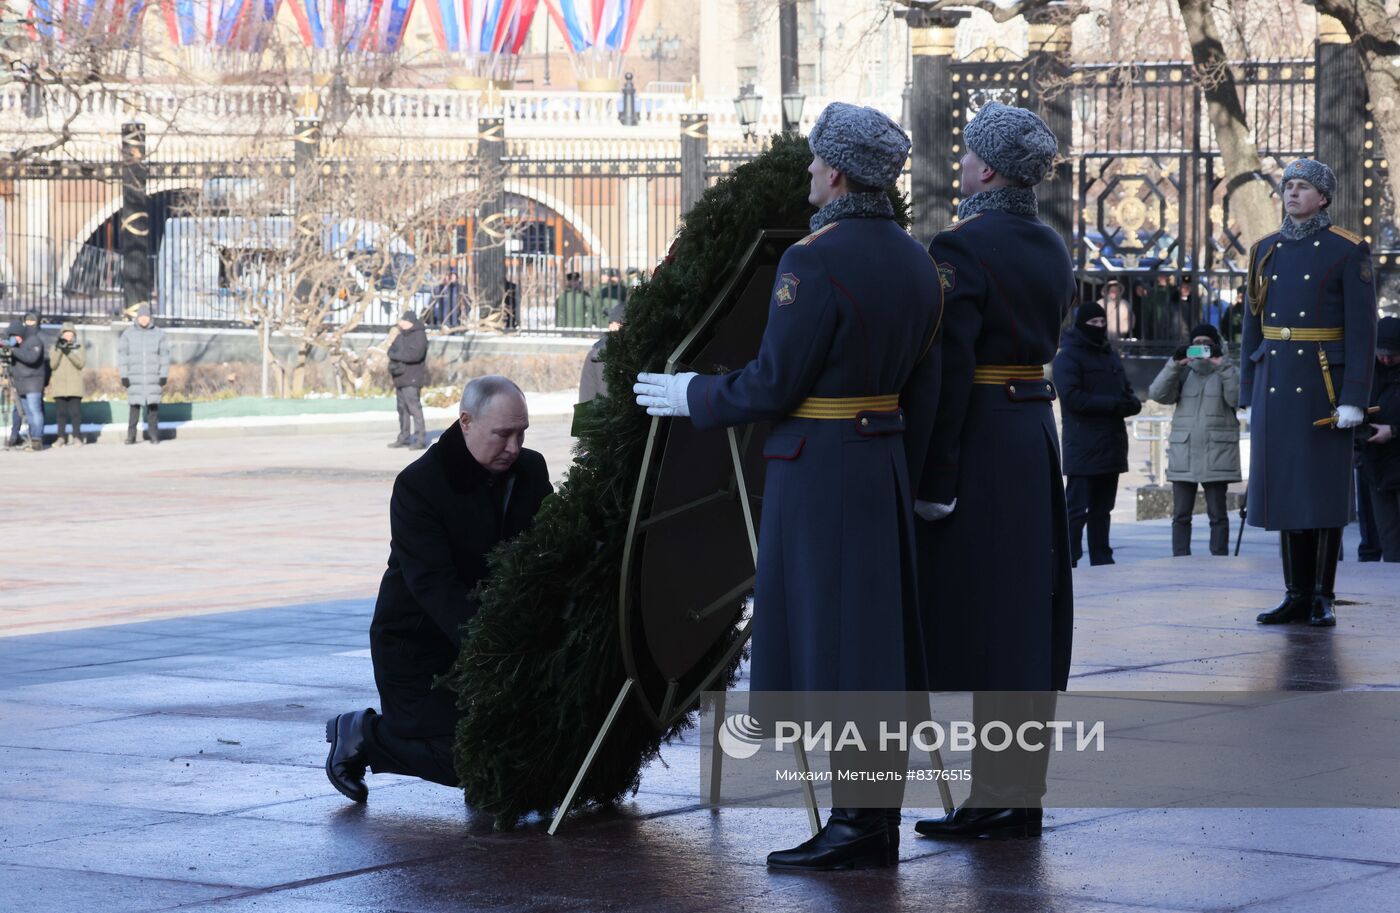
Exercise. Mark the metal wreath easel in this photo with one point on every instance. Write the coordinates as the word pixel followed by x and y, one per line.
pixel 716 754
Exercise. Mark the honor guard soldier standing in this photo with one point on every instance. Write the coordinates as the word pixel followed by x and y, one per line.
pixel 994 557
pixel 849 351
pixel 1309 350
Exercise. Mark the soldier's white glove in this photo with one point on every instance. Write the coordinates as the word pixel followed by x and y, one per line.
pixel 928 510
pixel 1349 416
pixel 663 394
pixel 1243 414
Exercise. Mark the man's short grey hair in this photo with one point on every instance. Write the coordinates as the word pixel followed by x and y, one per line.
pixel 477 395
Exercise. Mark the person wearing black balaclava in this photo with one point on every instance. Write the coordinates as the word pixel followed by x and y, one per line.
pixel 1095 397
pixel 1203 448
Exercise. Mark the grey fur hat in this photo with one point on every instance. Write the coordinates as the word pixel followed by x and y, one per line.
pixel 1315 173
pixel 861 143
pixel 1014 141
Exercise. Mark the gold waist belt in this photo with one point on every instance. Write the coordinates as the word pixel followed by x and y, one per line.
pixel 1304 334
pixel 1001 374
pixel 845 406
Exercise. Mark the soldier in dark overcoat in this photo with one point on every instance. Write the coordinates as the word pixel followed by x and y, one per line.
pixel 1309 350
pixel 847 361
pixel 994 555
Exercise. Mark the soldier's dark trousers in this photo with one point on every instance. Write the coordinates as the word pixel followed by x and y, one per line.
pixel 410 415
pixel 390 753
pixel 1184 505
pixel 1090 501
pixel 1012 777
pixel 1385 507
pixel 152 422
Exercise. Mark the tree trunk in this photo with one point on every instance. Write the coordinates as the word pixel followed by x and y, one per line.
pixel 1376 31
pixel 299 372
pixel 1251 204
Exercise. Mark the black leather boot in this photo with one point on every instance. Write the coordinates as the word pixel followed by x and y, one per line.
pixel 1329 543
pixel 995 823
pixel 853 838
pixel 346 762
pixel 892 823
pixel 1296 548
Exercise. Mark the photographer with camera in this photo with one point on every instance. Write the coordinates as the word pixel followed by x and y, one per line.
pixel 28 370
pixel 1204 446
pixel 67 361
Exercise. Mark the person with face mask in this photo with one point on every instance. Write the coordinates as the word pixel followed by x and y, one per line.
pixel 28 373
pixel 1203 448
pixel 1095 397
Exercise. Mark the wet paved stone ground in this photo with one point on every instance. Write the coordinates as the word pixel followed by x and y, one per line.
pixel 201 611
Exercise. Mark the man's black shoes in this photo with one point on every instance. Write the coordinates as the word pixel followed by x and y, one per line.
pixel 851 839
pixel 995 823
pixel 346 762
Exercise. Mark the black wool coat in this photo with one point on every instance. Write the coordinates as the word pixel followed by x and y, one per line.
pixel 408 357
pixel 444 520
pixel 1380 463
pixel 1095 397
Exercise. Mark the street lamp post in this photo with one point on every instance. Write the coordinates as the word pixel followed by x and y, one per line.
pixel 659 46
pixel 628 115
pixel 746 105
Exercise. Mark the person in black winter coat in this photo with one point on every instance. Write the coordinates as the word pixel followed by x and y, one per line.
pixel 1095 397
pixel 408 366
pixel 1380 452
pixel 29 374
pixel 477 487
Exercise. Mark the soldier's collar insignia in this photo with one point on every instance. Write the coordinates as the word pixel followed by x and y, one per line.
pixel 947 276
pixel 786 292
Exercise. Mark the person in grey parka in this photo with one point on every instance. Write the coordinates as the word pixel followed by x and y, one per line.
pixel 1204 446
pixel 143 356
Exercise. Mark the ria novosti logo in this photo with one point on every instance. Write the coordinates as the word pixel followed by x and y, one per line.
pixel 741 736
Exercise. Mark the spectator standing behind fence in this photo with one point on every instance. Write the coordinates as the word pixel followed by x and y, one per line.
pixel 592 384
pixel 408 366
pixel 1117 310
pixel 575 307
pixel 1380 454
pixel 1095 397
pixel 143 356
pixel 1204 446
pixel 610 290
pixel 28 372
pixel 66 362
pixel 447 301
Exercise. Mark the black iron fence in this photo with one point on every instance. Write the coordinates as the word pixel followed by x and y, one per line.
pixel 514 240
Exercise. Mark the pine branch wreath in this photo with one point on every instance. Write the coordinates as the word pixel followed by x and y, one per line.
pixel 541 662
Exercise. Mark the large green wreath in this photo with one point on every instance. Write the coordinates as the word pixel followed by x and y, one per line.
pixel 542 662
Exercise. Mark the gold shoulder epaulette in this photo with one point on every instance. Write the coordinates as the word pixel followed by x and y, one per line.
pixel 818 233
pixel 961 222
pixel 1351 236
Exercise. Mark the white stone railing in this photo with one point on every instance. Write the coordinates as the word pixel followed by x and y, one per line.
pixel 234 109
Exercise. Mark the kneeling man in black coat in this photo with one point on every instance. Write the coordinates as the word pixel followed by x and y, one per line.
pixel 477 486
